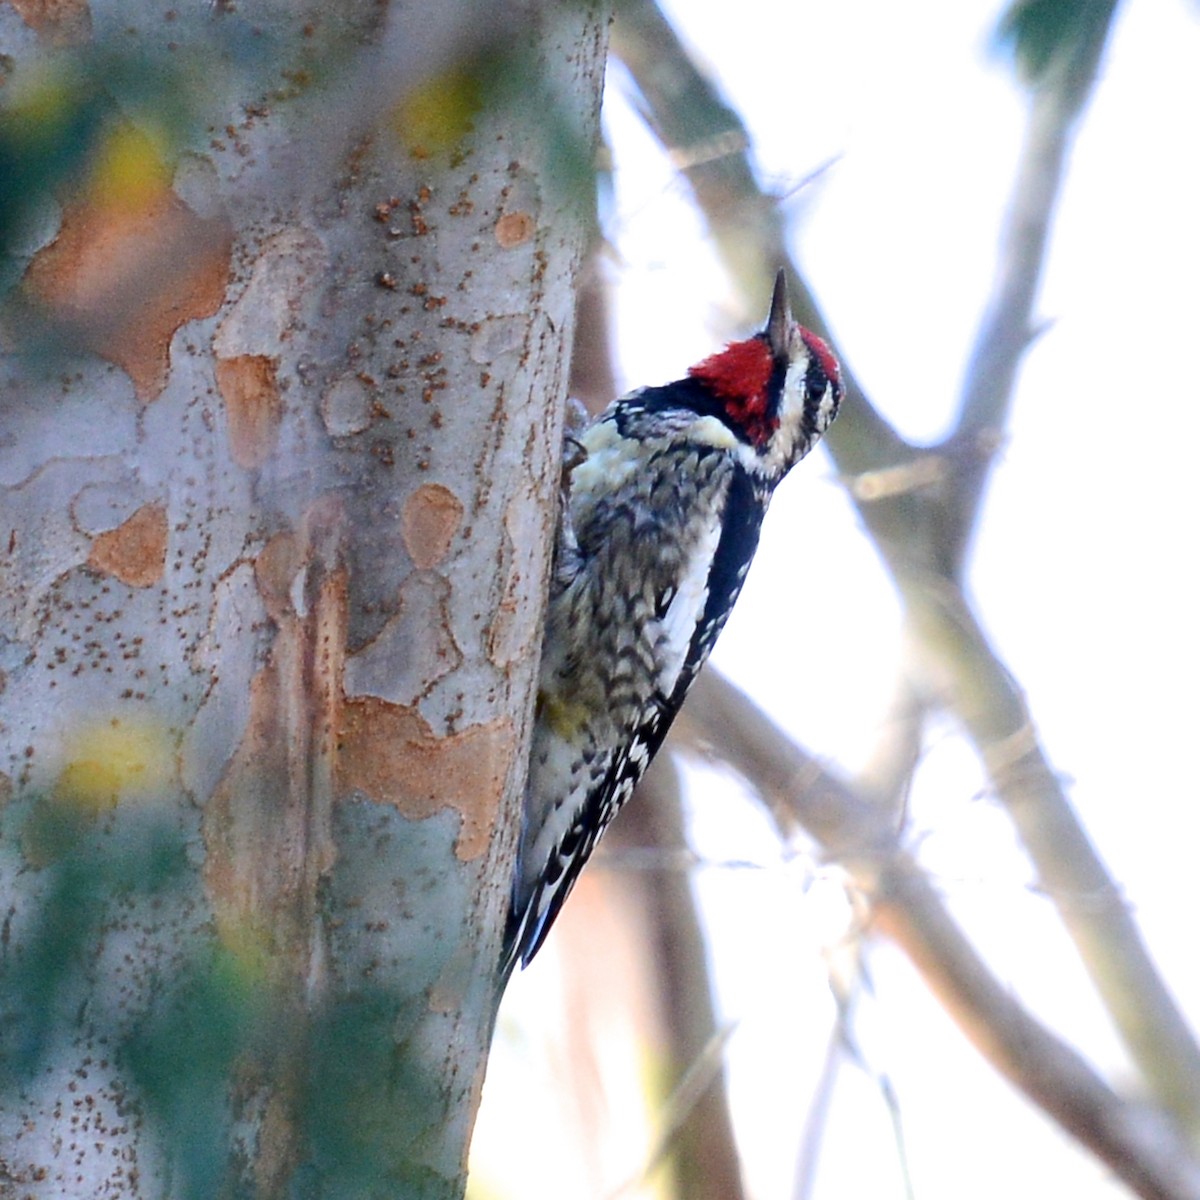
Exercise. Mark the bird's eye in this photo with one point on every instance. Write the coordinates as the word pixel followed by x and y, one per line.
pixel 815 379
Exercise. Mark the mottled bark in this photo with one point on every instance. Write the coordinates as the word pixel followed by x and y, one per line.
pixel 279 429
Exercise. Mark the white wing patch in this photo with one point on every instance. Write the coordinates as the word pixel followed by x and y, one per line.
pixel 679 622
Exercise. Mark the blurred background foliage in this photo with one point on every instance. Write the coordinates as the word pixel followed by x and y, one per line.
pixel 194 1030
pixel 65 121
pixel 95 865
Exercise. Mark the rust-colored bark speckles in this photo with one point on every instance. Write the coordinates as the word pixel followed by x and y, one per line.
pixel 127 275
pixel 58 22
pixel 390 753
pixel 514 229
pixel 428 523
pixel 253 406
pixel 136 551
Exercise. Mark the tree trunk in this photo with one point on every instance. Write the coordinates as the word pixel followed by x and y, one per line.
pixel 279 430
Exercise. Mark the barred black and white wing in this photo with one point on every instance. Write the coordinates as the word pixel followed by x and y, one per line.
pixel 665 504
pixel 605 708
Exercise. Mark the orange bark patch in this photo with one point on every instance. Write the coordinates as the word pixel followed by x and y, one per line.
pixel 389 752
pixel 253 406
pixel 267 826
pixel 250 823
pixel 274 569
pixel 428 523
pixel 451 986
pixel 59 22
pixel 127 276
pixel 514 228
pixel 136 551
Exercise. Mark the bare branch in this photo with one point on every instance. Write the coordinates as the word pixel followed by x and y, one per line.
pixel 697 1134
pixel 1009 326
pixel 801 793
pixel 919 508
pixel 709 143
pixel 997 721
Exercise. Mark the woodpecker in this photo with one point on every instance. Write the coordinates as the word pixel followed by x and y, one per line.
pixel 664 496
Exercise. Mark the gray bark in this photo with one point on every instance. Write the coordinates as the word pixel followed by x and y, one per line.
pixel 279 429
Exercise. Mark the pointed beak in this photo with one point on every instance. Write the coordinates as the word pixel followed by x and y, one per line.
pixel 780 322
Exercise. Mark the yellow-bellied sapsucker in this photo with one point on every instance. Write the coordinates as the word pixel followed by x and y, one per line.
pixel 659 526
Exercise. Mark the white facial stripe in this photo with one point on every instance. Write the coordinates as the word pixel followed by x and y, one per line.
pixel 825 408
pixel 791 403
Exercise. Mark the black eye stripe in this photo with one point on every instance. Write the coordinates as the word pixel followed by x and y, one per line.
pixel 815 379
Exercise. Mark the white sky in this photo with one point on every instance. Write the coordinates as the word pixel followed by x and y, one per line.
pixel 1085 566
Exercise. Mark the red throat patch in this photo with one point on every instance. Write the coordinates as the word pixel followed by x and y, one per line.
pixel 738 376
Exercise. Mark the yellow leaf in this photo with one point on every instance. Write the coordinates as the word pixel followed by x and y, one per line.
pixel 114 761
pixel 129 170
pixel 439 112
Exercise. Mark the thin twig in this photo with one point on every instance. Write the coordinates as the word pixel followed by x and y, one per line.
pixel 812 1133
pixel 922 531
pixel 1140 1147
pixel 705 1070
pixel 1058 98
pixel 1091 905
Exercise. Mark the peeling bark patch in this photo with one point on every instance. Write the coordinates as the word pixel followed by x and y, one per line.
pixel 284 286
pixel 497 336
pixel 274 571
pixel 253 406
pixel 513 229
pixel 513 632
pixel 414 649
pixel 98 507
pixel 136 551
pixel 267 826
pixel 246 828
pixel 389 753
pixel 126 276
pixel 58 22
pixel 346 407
pixel 431 517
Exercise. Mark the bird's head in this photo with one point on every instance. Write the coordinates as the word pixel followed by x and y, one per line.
pixel 777 391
